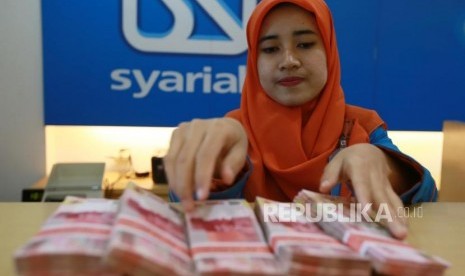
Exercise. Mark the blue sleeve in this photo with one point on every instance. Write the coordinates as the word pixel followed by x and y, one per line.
pixel 423 191
pixel 235 191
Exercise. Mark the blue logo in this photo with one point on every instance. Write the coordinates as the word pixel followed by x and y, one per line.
pixel 179 39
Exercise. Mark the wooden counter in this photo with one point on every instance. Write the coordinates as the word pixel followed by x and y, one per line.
pixel 436 228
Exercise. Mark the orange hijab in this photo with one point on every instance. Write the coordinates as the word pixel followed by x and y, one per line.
pixel 288 153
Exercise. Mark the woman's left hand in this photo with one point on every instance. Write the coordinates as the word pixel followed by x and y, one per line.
pixel 368 170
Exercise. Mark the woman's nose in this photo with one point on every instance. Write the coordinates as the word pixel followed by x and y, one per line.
pixel 289 61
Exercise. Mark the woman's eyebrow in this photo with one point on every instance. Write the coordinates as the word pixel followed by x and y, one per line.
pixel 267 37
pixel 304 32
pixel 295 33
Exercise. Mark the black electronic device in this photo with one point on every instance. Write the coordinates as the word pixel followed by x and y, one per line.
pixel 158 171
pixel 32 195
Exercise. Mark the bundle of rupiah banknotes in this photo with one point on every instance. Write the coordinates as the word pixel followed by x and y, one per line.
pixel 141 234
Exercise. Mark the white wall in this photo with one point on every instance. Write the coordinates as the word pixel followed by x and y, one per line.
pixel 22 138
pixel 98 144
pixel 103 143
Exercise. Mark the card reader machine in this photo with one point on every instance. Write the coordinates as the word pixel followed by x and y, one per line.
pixel 74 179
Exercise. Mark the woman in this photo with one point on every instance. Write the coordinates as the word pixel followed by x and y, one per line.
pixel 294 125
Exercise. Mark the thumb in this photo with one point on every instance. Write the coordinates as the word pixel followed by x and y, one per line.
pixel 330 176
pixel 233 162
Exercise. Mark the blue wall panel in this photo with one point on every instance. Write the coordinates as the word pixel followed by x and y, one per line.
pixel 406 59
pixel 357 48
pixel 421 66
pixel 84 45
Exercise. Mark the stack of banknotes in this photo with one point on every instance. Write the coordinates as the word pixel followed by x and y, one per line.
pixel 226 239
pixel 148 237
pixel 71 242
pixel 388 255
pixel 304 246
pixel 141 234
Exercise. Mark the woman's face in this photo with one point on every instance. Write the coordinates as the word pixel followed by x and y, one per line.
pixel 291 56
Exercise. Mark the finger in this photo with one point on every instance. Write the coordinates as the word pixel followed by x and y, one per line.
pixel 170 158
pixel 378 184
pixel 169 161
pixel 383 209
pixel 183 190
pixel 400 224
pixel 234 161
pixel 386 201
pixel 208 154
pixel 222 152
pixel 361 187
pixel 398 206
pixel 185 162
pixel 378 193
pixel 331 175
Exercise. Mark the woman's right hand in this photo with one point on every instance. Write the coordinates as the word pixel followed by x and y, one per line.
pixel 203 149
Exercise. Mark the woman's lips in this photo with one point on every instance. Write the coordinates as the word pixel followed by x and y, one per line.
pixel 290 81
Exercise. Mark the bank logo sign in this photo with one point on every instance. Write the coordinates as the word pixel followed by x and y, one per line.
pixel 180 37
pixel 162 62
pixel 143 62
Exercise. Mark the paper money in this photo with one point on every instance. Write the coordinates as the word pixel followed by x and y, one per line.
pixel 305 246
pixel 71 242
pixel 225 237
pixel 388 255
pixel 148 237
